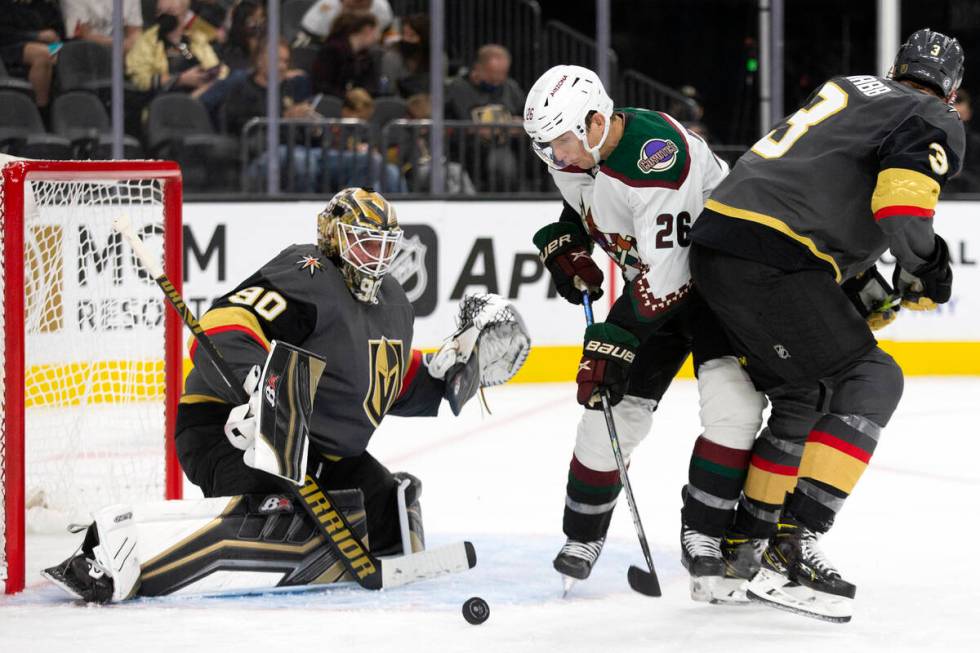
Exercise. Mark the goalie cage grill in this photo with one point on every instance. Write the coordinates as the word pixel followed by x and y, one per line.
pixel 91 359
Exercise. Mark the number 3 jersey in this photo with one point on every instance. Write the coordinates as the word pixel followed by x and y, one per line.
pixel 300 297
pixel 641 204
pixel 857 170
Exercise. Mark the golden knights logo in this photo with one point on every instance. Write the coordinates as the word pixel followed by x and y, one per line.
pixel 386 367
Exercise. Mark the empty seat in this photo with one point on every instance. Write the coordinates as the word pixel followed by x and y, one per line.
pixel 80 117
pixel 84 65
pixel 387 109
pixel 8 83
pixel 179 128
pixel 292 14
pixel 22 130
pixel 329 106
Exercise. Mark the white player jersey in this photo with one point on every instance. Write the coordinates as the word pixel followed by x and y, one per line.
pixel 642 202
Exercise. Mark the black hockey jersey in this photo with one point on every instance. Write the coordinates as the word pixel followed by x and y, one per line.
pixel 855 171
pixel 300 297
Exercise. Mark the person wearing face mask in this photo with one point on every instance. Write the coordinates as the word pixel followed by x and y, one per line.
pixel 487 94
pixel 171 57
pixel 405 63
pixel 345 61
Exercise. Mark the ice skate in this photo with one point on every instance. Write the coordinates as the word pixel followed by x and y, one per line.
pixel 796 576
pixel 576 559
pixel 701 556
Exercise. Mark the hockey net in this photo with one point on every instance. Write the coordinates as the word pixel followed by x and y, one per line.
pixel 91 357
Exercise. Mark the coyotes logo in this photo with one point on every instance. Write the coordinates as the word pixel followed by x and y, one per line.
pixel 386 366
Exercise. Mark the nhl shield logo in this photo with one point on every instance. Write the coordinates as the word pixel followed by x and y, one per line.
pixel 386 367
pixel 409 264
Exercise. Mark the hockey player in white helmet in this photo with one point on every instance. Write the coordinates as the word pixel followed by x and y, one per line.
pixel 633 181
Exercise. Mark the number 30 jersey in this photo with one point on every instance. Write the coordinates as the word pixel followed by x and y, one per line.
pixel 642 202
pixel 855 171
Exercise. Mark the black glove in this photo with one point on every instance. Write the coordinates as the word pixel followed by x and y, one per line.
pixel 873 298
pixel 605 366
pixel 928 285
pixel 563 249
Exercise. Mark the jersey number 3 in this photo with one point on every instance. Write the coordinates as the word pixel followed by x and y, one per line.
pixel 830 100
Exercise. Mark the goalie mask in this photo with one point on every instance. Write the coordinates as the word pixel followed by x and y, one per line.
pixel 359 229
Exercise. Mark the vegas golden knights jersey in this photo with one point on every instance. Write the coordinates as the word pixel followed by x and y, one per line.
pixel 834 184
pixel 300 297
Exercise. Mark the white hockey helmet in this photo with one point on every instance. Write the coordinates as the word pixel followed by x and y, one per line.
pixel 559 102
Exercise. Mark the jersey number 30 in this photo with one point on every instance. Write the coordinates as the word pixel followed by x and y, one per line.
pixel 830 100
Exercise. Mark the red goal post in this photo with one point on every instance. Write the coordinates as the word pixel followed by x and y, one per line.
pixel 91 361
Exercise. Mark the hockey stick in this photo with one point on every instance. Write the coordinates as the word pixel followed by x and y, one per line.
pixel 365 568
pixel 644 582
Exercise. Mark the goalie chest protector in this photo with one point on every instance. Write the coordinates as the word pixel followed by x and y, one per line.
pixel 367 347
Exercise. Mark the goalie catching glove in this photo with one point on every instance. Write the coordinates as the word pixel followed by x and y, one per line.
pixel 929 284
pixel 563 247
pixel 273 427
pixel 607 356
pixel 488 348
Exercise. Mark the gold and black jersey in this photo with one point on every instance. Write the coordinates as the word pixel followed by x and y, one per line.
pixel 819 189
pixel 300 297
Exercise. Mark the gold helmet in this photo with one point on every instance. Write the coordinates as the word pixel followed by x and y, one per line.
pixel 358 228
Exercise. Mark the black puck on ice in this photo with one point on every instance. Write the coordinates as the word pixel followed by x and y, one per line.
pixel 476 610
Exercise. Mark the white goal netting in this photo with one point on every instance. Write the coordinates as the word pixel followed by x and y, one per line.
pixel 93 352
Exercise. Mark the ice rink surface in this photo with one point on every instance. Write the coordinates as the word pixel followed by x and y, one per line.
pixel 907 538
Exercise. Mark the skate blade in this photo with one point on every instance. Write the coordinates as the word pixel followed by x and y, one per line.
pixel 776 591
pixel 567 584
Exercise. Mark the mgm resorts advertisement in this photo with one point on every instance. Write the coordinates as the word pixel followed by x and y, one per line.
pixel 451 248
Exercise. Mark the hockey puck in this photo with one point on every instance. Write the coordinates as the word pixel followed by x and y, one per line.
pixel 476 611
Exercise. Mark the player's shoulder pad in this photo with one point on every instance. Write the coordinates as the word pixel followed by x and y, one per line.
pixel 929 138
pixel 653 151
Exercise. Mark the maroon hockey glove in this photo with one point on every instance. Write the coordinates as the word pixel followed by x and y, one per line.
pixel 564 252
pixel 605 366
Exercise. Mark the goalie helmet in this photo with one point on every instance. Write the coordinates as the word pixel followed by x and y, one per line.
pixel 560 102
pixel 359 229
pixel 931 59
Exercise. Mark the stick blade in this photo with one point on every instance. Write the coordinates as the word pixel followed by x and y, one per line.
pixel 644 582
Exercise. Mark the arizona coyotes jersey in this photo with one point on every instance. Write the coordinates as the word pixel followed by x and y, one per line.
pixel 642 202
pixel 300 297
pixel 830 178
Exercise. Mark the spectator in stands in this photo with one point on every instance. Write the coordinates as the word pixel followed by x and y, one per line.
pixel 91 20
pixel 405 63
pixel 246 99
pixel 346 60
pixel 358 104
pixel 968 181
pixel 171 57
pixel 410 150
pixel 247 27
pixel 318 21
pixel 487 94
pixel 31 32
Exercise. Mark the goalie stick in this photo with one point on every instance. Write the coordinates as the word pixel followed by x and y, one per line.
pixel 644 582
pixel 367 570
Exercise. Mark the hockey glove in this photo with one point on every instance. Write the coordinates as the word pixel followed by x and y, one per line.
pixel 930 284
pixel 873 298
pixel 564 251
pixel 605 366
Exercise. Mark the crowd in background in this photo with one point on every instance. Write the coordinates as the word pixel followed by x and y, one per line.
pixel 353 62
